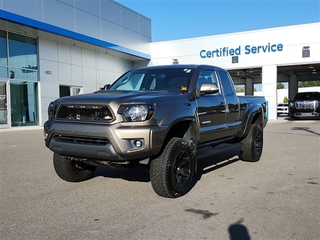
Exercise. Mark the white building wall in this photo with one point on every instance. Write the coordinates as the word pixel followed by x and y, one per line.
pixel 84 44
pixel 269 89
pixel 277 47
pixel 74 66
pixel 105 20
pixel 293 38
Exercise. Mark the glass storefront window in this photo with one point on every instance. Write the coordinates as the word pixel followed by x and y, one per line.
pixel 69 90
pixel 24 103
pixel 3 72
pixel 19 65
pixel 3 48
pixel 23 57
pixel 25 74
pixel 3 103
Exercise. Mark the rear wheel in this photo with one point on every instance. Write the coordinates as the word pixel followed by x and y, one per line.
pixel 172 172
pixel 251 149
pixel 71 170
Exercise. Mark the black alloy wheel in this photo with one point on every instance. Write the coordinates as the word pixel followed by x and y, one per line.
pixel 172 172
pixel 252 147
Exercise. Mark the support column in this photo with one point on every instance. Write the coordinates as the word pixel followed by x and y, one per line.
pixel 248 86
pixel 269 89
pixel 293 85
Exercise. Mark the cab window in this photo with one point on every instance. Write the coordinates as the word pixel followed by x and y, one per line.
pixel 228 88
pixel 208 76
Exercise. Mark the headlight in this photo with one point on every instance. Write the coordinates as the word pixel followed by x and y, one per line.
pixel 52 108
pixel 137 112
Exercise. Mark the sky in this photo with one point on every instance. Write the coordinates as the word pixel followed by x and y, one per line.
pixel 179 19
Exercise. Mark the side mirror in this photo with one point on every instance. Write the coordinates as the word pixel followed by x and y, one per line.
pixel 209 88
pixel 105 87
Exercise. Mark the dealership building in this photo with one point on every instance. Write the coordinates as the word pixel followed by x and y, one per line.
pixel 51 49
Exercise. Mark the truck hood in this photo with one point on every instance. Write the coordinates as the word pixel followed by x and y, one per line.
pixel 106 97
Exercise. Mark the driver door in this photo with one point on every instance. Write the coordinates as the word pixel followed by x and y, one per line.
pixel 211 109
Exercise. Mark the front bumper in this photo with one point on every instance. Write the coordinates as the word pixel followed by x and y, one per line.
pixel 282 111
pixel 110 142
pixel 293 112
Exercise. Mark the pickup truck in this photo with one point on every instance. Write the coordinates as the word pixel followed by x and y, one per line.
pixel 164 118
pixel 305 104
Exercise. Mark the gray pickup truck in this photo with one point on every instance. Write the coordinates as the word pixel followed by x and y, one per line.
pixel 165 118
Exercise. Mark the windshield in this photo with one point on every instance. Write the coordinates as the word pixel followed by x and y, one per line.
pixel 308 96
pixel 161 79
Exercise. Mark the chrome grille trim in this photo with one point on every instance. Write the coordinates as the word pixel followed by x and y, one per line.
pixel 306 105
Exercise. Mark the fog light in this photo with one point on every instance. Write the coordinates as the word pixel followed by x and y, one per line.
pixel 138 143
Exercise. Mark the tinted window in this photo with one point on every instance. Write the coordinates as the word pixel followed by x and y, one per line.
pixel 154 79
pixel 208 76
pixel 308 96
pixel 23 57
pixel 22 52
pixel 226 84
pixel 3 48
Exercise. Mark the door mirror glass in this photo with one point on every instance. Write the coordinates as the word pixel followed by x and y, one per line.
pixel 105 87
pixel 209 88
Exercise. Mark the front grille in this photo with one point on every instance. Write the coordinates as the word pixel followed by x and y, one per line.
pixel 81 140
pixel 306 105
pixel 84 113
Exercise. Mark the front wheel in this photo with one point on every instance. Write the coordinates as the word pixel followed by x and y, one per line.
pixel 293 117
pixel 171 174
pixel 251 149
pixel 71 170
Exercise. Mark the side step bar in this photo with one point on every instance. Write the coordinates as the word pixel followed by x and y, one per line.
pixel 208 151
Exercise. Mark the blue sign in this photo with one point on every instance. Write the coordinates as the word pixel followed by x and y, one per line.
pixel 248 49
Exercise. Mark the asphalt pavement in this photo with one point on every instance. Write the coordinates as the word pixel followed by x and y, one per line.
pixel 275 198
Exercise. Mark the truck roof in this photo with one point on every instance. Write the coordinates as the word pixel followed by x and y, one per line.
pixel 178 66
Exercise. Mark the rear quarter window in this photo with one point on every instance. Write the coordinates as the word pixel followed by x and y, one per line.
pixel 228 87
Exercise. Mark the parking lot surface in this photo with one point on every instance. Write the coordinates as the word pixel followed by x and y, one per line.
pixel 275 198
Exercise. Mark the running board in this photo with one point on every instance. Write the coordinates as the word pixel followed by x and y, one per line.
pixel 208 151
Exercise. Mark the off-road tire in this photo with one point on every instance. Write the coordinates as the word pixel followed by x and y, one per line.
pixel 70 170
pixel 292 117
pixel 172 172
pixel 251 149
